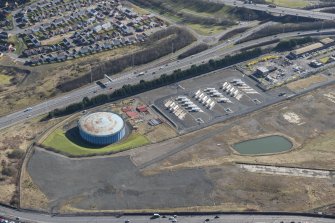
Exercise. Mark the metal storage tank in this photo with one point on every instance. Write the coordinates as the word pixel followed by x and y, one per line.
pixel 102 128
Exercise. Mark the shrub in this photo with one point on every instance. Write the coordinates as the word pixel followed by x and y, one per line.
pixel 8 171
pixel 16 154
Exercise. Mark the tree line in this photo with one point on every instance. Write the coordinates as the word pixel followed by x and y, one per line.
pixel 194 50
pixel 287 45
pixel 163 80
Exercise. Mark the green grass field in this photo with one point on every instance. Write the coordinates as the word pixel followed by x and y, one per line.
pixel 61 143
pixel 205 30
pixel 324 60
pixel 4 79
pixel 289 3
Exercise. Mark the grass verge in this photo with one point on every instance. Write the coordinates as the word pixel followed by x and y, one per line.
pixel 59 142
pixel 4 79
pixel 18 43
pixel 205 30
pixel 289 3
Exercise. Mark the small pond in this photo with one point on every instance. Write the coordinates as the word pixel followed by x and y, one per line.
pixel 269 144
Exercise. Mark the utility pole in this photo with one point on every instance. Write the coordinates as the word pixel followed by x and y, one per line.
pixel 171 51
pixel 91 73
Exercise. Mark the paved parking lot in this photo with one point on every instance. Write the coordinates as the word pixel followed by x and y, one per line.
pixel 213 97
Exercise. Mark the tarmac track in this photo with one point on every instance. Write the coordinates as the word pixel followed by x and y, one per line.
pixel 115 183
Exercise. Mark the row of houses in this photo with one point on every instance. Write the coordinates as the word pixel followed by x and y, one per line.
pixel 63 55
pixel 3 36
pixel 39 12
pixel 62 46
pixel 64 30
pixel 42 10
pixel 106 43
pixel 30 40
pixel 88 19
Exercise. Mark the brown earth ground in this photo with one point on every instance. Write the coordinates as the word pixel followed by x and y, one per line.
pixel 37 200
pixel 13 138
pixel 307 82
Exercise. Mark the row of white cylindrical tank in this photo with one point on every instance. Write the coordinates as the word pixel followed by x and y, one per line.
pixel 205 99
pixel 230 89
pixel 175 109
pixel 188 104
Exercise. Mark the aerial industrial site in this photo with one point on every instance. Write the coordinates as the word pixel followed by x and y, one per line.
pixel 167 111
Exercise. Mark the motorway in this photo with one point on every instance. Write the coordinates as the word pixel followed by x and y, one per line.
pixel 223 218
pixel 278 10
pixel 223 49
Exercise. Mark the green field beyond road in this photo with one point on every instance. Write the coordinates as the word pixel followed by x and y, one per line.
pixel 289 3
pixel 59 142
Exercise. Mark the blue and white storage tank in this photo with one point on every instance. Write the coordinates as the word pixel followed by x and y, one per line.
pixel 101 128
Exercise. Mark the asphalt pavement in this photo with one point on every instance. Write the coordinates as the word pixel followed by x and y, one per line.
pixel 222 218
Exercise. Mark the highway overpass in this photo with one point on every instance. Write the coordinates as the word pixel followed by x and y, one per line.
pixel 278 10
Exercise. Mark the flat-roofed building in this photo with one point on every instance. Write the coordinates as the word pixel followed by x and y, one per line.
pixel 327 41
pixel 306 49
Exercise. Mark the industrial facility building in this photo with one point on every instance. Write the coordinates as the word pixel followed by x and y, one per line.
pixel 327 41
pixel 101 128
pixel 307 49
pixel 322 44
pixel 264 71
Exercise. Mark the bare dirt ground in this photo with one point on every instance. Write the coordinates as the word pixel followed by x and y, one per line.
pixel 7 191
pixel 307 82
pixel 160 133
pixel 37 200
pixel 197 171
